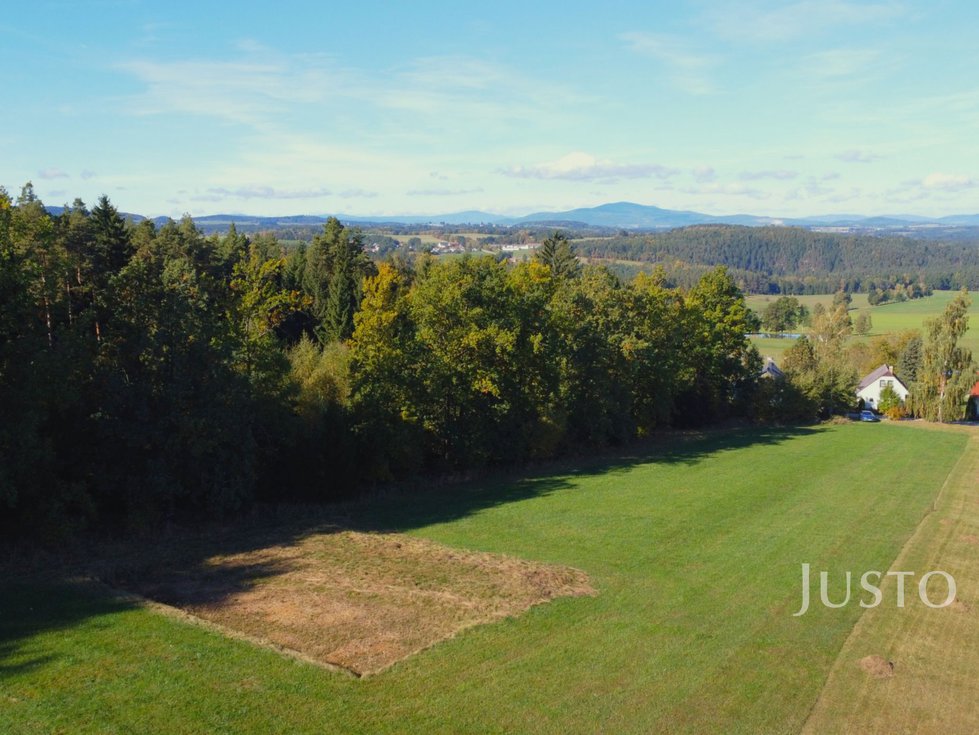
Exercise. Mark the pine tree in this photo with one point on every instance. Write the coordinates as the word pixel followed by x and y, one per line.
pixel 318 271
pixel 558 255
pixel 909 362
pixel 338 321
pixel 232 250
pixel 109 251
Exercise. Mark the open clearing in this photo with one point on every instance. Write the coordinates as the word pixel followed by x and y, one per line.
pixel 887 318
pixel 360 601
pixel 696 549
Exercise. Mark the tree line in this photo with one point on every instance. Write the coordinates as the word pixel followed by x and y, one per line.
pixel 797 261
pixel 149 372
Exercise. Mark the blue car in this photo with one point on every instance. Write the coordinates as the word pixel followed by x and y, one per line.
pixel 868 416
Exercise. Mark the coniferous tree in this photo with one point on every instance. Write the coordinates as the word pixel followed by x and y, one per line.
pixel 232 250
pixel 557 254
pixel 333 272
pixel 338 319
pixel 909 362
pixel 318 266
pixel 109 252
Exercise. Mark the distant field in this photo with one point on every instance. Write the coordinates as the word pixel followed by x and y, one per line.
pixel 887 318
pixel 431 239
pixel 695 551
pixel 759 302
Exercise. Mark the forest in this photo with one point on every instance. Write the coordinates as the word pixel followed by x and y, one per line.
pixel 794 260
pixel 151 373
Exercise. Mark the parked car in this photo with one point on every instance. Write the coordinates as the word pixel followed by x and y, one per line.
pixel 868 416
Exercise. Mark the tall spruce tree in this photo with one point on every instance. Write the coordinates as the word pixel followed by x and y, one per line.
pixel 109 251
pixel 338 320
pixel 558 255
pixel 334 269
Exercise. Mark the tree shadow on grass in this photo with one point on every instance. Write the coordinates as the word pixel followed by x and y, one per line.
pixel 415 507
pixel 192 582
pixel 173 567
pixel 30 608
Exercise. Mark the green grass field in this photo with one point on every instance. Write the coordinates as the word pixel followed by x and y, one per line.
pixel 886 318
pixel 431 238
pixel 695 549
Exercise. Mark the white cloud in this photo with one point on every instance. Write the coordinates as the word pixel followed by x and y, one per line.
pixel 854 194
pixel 778 21
pixel 816 188
pixel 947 182
pixel 687 68
pixel 731 190
pixel 53 172
pixel 443 192
pixel 776 174
pixel 87 174
pixel 704 174
pixel 855 155
pixel 260 84
pixel 247 91
pixel 839 63
pixel 218 193
pixel 578 166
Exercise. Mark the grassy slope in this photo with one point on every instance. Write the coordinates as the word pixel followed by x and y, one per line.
pixel 935 652
pixel 696 555
pixel 887 318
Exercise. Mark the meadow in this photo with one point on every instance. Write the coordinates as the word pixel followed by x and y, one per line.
pixel 886 318
pixel 694 546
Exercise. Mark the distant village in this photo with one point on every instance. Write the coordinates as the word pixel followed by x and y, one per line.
pixel 444 247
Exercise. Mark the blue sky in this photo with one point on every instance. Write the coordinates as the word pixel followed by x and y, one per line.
pixel 778 108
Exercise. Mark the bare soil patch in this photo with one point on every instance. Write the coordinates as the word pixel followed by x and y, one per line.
pixel 960 606
pixel 877 666
pixel 361 601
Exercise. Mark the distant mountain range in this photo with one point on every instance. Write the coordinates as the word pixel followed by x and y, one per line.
pixel 631 216
pixel 617 215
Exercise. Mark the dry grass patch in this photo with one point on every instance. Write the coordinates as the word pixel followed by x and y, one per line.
pixel 361 601
pixel 877 666
pixel 932 686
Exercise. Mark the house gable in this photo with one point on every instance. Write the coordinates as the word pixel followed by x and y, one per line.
pixel 873 384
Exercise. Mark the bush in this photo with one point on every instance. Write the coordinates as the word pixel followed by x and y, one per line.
pixel 891 404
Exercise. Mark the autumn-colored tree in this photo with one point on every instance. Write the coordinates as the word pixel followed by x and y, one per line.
pixel 863 323
pixel 946 372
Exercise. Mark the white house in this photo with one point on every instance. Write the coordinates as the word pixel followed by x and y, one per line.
pixel 871 386
pixel 771 370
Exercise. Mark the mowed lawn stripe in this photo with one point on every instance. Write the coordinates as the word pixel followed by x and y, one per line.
pixel 695 552
pixel 935 652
